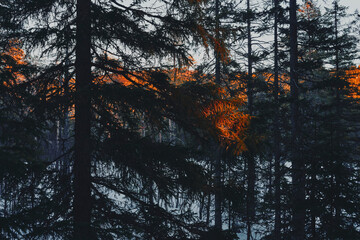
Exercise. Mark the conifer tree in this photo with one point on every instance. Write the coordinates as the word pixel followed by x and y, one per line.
pixel 298 174
pixel 251 175
pixel 55 21
pixel 336 155
pixel 123 182
pixel 277 225
pixel 100 138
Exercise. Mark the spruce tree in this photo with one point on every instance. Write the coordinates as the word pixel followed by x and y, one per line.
pixel 124 182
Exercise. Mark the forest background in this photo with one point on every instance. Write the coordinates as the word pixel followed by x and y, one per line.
pixel 110 130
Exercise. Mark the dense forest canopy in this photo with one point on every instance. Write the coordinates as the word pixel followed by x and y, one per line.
pixel 182 119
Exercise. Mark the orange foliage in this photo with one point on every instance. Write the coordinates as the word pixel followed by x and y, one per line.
pixel 354 82
pixel 224 113
pixel 204 35
pixel 309 10
pixel 284 80
pixel 230 122
pixel 16 52
pixel 221 49
pixel 13 55
pixel 219 45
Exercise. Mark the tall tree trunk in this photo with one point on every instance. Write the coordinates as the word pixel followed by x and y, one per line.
pixel 82 163
pixel 313 200
pixel 208 204
pixel 277 227
pixel 218 191
pixel 65 124
pixel 250 201
pixel 249 58
pixel 217 165
pixel 208 209
pixel 337 162
pixel 298 166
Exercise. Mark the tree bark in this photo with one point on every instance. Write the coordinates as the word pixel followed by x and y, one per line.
pixel 218 191
pixel 82 163
pixel 250 201
pixel 337 162
pixel 277 227
pixel 298 166
pixel 217 163
pixel 250 61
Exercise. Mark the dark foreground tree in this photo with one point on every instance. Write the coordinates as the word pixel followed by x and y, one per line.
pixel 124 180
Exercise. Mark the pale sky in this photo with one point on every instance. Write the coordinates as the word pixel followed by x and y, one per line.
pixel 352 4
